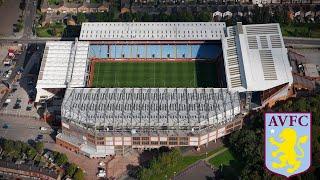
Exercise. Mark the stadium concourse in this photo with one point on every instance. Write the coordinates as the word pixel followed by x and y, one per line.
pixel 146 85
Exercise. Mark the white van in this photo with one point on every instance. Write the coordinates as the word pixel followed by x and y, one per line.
pixel 43 128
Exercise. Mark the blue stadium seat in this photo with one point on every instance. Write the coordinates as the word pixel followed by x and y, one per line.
pixel 153 51
pixel 203 51
pixel 195 51
pixel 98 51
pixel 183 51
pixel 141 51
pixel 168 51
pixel 126 51
pixel 118 51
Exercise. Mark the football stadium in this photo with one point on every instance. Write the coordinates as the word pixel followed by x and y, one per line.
pixel 146 85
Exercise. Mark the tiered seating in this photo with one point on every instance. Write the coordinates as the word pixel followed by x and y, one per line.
pixel 173 108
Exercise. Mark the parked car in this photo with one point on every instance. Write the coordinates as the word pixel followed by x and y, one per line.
pixel 6 126
pixel 43 128
pixel 39 137
pixel 17 104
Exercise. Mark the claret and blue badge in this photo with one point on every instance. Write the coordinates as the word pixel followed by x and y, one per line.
pixel 288 143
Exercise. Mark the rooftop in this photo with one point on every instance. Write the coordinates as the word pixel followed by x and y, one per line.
pixel 64 64
pixel 256 58
pixel 159 108
pixel 152 31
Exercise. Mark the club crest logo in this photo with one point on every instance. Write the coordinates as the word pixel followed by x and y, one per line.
pixel 288 142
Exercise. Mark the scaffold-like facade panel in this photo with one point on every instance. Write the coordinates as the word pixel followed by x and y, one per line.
pixel 152 31
pixel 126 109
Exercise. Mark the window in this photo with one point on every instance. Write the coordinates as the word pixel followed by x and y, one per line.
pixel 136 138
pixel 100 138
pixel 145 138
pixel 154 142
pixel 163 142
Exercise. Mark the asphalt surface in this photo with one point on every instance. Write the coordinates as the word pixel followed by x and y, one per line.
pixel 304 41
pixel 30 12
pixel 24 129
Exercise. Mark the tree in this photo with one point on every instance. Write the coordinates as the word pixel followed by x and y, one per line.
pixel 19 26
pixel 204 16
pixel 81 17
pixel 127 17
pixel 31 153
pixel 22 5
pixel 71 169
pixel 160 165
pixel 61 159
pixel 163 17
pixel 79 174
pixel 146 17
pixel 39 147
pixel 8 146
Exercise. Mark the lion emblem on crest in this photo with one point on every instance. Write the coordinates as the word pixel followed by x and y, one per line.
pixel 288 157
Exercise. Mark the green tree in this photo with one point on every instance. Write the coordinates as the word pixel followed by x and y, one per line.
pixel 8 146
pixel 61 159
pixel 31 153
pixel 79 174
pixel 81 17
pixel 163 17
pixel 146 17
pixel 204 16
pixel 39 147
pixel 127 17
pixel 71 169
pixel 160 165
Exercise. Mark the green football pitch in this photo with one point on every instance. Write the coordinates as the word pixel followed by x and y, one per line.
pixel 154 74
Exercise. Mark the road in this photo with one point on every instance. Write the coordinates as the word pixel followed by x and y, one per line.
pixel 30 12
pixel 304 41
pixel 27 39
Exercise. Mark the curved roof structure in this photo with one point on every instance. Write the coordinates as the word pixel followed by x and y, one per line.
pixel 124 109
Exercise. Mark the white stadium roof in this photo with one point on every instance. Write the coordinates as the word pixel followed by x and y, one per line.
pixel 152 31
pixel 159 108
pixel 63 65
pixel 255 57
